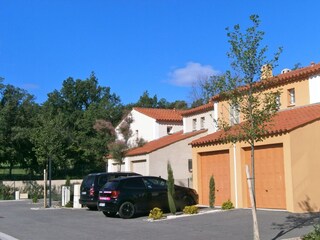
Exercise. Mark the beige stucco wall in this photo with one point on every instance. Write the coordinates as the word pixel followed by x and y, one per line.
pixel 302 97
pixel 301 156
pixel 301 92
pixel 237 172
pixel 178 155
pixel 305 154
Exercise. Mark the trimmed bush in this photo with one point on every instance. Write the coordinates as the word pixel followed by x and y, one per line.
pixel 212 190
pixel 170 187
pixel 227 205
pixel 190 209
pixel 156 213
pixel 314 235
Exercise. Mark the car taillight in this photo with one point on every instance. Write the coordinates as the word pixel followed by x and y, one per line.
pixel 91 191
pixel 115 194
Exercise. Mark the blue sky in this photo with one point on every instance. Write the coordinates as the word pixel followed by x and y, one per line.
pixel 136 45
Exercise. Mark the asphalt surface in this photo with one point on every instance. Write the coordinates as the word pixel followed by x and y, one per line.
pixel 24 220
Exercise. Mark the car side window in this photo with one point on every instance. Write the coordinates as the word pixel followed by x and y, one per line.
pixel 102 180
pixel 88 181
pixel 134 183
pixel 155 183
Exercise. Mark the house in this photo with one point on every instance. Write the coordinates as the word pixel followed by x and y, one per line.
pixel 286 162
pixel 152 123
pixel 168 133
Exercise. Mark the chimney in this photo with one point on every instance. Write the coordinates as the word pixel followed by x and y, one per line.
pixel 312 64
pixel 266 71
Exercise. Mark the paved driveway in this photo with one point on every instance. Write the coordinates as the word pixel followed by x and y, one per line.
pixel 24 221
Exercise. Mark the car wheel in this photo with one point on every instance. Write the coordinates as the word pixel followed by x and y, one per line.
pixel 127 210
pixel 109 214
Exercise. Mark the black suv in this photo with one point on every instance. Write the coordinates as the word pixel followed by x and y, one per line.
pixel 140 194
pixel 92 183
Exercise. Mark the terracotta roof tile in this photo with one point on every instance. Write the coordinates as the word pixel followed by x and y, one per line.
pixel 161 114
pixel 283 122
pixel 288 77
pixel 197 110
pixel 162 142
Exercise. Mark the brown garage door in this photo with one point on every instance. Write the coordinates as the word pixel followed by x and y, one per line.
pixel 269 171
pixel 218 165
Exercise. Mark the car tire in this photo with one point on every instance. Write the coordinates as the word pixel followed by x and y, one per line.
pixel 109 214
pixel 188 201
pixel 127 210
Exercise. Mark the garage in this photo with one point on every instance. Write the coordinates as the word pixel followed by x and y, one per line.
pixel 269 171
pixel 217 164
pixel 139 166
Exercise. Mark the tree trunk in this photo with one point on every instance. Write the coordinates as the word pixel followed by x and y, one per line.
pixel 253 174
pixel 253 207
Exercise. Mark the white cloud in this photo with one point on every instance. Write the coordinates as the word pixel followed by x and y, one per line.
pixel 30 86
pixel 191 73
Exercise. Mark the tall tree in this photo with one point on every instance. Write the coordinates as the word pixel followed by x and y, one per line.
pixel 243 91
pixel 17 113
pixel 146 101
pixel 70 115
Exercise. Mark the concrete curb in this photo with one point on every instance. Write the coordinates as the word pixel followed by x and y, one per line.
pixel 4 236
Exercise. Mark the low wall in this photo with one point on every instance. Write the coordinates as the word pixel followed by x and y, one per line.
pixel 54 183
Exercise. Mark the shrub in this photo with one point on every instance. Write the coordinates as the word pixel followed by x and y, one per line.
pixel 227 205
pixel 156 213
pixel 171 193
pixel 69 204
pixel 314 235
pixel 190 209
pixel 34 190
pixel 6 192
pixel 212 190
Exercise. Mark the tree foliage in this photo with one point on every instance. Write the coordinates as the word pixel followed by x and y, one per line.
pixel 72 130
pixel 171 192
pixel 212 191
pixel 146 101
pixel 17 119
pixel 242 89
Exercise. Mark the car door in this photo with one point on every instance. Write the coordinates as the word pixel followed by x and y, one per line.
pixel 157 190
pixel 134 190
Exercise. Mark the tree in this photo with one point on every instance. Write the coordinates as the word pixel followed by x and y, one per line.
pixel 146 101
pixel 17 120
pixel 244 95
pixel 171 192
pixel 242 91
pixel 203 90
pixel 68 129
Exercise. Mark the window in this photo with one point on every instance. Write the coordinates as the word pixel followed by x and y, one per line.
pixel 155 183
pixel 291 96
pixel 202 122
pixel 169 130
pixel 194 124
pixel 134 183
pixel 137 134
pixel 234 115
pixel 190 165
pixel 278 102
